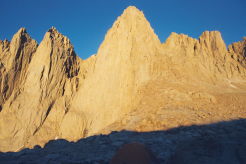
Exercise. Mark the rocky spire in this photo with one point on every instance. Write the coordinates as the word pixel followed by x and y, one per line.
pixel 238 51
pixel 125 61
pixel 15 59
pixel 213 41
pixel 47 76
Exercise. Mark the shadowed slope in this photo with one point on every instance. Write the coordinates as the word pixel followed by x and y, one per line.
pixel 222 142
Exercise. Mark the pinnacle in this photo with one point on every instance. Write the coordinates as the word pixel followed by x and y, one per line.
pixel 4 41
pixel 53 30
pixel 21 35
pixel 130 16
pixel 54 34
pixel 213 35
pixel 210 33
pixel 133 22
pixel 132 10
pixel 173 34
pixel 22 30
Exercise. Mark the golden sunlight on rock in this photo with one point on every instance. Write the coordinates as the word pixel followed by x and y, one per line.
pixel 133 83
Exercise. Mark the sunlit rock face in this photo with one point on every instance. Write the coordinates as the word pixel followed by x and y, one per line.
pixel 134 82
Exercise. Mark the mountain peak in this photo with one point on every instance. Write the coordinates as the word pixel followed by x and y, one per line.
pixel 22 30
pixel 213 39
pixel 132 13
pixel 176 39
pixel 132 10
pixel 20 33
pixel 54 34
pixel 131 21
pixel 130 28
pixel 132 77
pixel 53 30
pixel 211 34
pixel 21 37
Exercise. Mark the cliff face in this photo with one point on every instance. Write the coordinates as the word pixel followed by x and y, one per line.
pixel 124 63
pixel 39 79
pixel 15 58
pixel 47 92
pixel 205 59
pixel 238 51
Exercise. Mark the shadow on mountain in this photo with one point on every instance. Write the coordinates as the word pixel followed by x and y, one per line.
pixel 223 142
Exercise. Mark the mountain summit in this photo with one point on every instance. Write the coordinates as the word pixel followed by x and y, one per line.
pixel 134 82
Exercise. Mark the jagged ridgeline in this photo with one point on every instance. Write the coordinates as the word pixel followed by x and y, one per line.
pixel 134 82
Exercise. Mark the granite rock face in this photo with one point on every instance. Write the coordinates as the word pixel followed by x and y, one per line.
pixel 134 82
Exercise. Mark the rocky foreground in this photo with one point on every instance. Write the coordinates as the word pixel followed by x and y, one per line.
pixel 222 142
